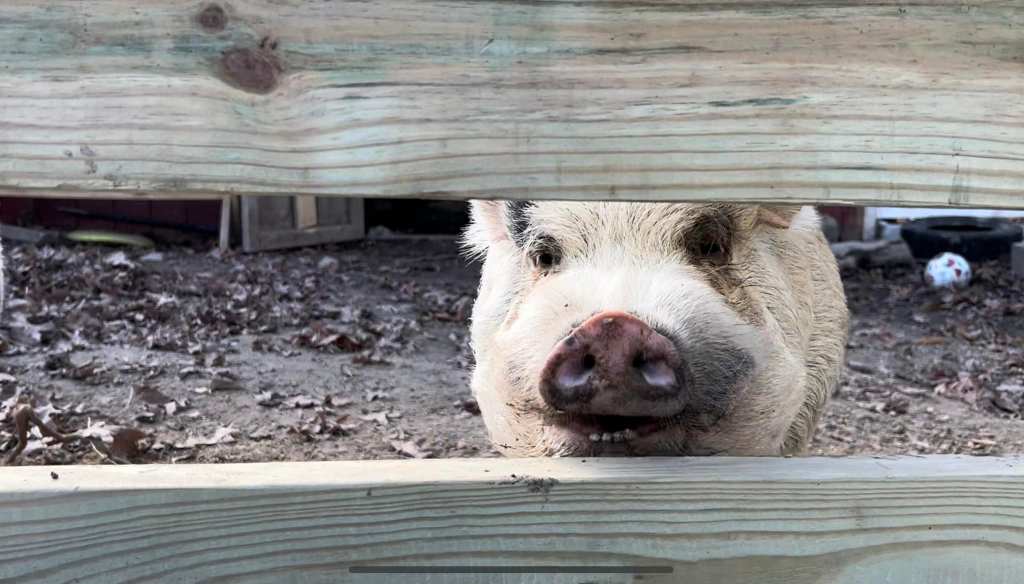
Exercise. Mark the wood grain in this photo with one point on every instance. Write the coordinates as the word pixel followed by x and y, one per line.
pixel 832 101
pixel 935 520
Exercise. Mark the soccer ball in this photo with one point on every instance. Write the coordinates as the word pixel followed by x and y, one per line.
pixel 948 270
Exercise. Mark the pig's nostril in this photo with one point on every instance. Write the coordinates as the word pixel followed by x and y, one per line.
pixel 572 378
pixel 589 362
pixel 658 374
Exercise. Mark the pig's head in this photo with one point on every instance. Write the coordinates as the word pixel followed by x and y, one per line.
pixel 652 329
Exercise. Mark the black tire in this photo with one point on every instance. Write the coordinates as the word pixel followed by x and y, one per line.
pixel 977 239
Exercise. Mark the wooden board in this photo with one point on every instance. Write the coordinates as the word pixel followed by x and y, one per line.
pixel 282 222
pixel 305 212
pixel 837 101
pixel 933 520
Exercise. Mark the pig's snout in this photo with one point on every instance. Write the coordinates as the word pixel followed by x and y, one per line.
pixel 613 364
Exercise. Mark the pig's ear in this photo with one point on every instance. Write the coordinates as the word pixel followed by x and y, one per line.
pixel 487 227
pixel 780 217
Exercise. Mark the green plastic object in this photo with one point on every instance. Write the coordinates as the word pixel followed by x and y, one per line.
pixel 109 238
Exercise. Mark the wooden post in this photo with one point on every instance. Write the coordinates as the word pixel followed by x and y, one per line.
pixel 224 240
pixel 305 212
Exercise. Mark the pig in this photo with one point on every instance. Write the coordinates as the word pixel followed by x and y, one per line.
pixel 653 329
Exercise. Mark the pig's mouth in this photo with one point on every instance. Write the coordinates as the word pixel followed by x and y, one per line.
pixel 612 429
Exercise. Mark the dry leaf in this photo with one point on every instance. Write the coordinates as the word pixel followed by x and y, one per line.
pixel 24 418
pixel 301 401
pixel 118 259
pixel 964 388
pixel 409 448
pixel 1008 397
pixel 263 433
pixel 379 417
pixel 470 406
pixel 225 384
pixel 98 431
pixel 269 399
pixel 336 402
pixel 969 335
pixel 223 435
pixel 126 445
pixel 150 395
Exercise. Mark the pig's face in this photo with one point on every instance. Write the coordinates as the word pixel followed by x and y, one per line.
pixel 650 329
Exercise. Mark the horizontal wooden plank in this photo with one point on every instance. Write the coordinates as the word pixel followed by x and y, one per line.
pixel 831 101
pixel 931 520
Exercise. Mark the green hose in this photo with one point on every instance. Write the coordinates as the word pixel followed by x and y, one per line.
pixel 109 238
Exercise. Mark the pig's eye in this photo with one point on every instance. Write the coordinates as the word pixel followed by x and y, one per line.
pixel 711 250
pixel 709 243
pixel 545 258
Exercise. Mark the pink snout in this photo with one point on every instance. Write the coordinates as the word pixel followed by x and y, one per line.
pixel 613 364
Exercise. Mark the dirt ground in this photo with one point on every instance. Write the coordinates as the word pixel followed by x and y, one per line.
pixel 360 352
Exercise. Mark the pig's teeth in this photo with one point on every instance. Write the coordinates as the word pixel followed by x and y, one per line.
pixel 619 436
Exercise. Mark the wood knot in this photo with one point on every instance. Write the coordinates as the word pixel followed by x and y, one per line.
pixel 253 70
pixel 212 18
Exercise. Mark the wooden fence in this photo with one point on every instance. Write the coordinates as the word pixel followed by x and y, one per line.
pixel 933 520
pixel 808 101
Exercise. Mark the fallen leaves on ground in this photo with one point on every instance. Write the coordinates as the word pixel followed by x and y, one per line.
pixel 222 435
pixel 409 448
